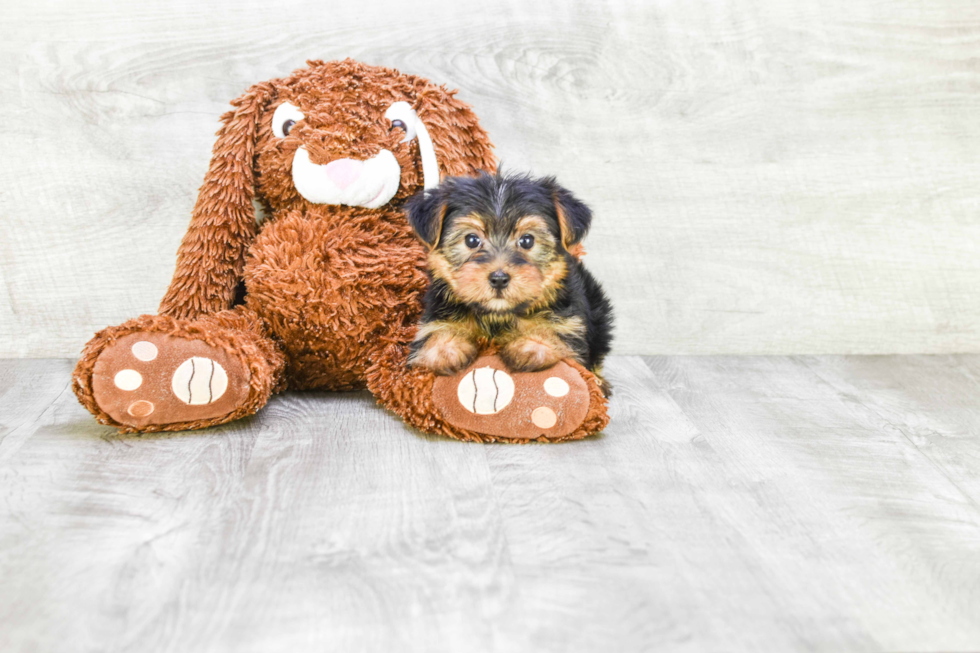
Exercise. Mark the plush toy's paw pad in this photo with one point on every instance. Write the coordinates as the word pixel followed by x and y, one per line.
pixel 154 378
pixel 488 399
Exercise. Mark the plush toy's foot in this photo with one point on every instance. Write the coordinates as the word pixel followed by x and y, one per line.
pixel 488 399
pixel 160 374
pixel 154 378
pixel 486 402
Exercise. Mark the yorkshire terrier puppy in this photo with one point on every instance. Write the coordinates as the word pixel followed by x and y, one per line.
pixel 503 265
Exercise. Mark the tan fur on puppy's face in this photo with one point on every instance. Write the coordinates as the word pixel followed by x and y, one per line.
pixel 536 273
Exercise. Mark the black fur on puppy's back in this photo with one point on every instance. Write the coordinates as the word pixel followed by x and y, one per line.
pixel 598 316
pixel 581 296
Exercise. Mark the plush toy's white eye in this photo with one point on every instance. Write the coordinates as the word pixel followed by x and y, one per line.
pixel 284 118
pixel 402 116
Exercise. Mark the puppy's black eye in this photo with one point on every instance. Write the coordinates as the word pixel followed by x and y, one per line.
pixel 526 241
pixel 472 241
pixel 398 124
pixel 287 127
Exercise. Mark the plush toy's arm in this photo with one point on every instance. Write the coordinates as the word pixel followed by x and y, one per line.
pixel 211 257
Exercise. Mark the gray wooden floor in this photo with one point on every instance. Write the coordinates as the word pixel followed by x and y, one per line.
pixel 734 503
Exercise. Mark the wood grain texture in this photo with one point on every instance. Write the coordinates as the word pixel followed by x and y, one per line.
pixel 768 177
pixel 734 503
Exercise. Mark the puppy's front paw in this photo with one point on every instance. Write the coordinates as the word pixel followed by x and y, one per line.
pixel 531 354
pixel 445 355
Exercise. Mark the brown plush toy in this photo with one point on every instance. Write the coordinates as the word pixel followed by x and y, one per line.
pixel 326 292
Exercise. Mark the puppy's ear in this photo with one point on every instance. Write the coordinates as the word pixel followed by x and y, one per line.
pixel 426 213
pixel 211 257
pixel 574 217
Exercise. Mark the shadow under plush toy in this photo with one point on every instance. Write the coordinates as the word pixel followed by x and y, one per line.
pixel 326 292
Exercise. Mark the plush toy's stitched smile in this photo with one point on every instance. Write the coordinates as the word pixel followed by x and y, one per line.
pixel 370 183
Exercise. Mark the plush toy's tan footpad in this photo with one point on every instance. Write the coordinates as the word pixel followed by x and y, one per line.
pixel 488 399
pixel 154 378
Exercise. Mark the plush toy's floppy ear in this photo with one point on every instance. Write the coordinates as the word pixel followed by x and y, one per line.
pixel 211 257
pixel 574 217
pixel 426 213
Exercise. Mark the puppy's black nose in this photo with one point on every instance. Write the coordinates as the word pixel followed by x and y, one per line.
pixel 499 279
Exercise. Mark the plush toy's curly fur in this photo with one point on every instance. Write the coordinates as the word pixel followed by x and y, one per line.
pixel 318 296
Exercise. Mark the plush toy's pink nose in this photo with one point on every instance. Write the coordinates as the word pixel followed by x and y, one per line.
pixel 344 172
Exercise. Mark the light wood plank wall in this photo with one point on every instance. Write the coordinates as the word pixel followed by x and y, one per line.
pixel 768 176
